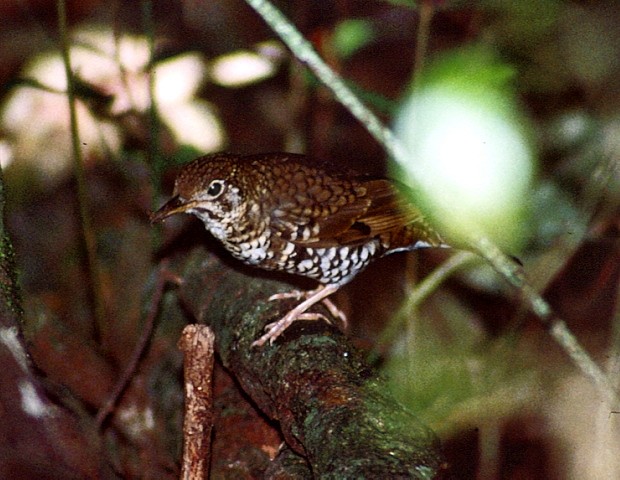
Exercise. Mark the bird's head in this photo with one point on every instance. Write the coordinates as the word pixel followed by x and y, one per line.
pixel 209 188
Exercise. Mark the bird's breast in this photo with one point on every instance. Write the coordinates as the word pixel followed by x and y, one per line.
pixel 253 250
pixel 267 249
pixel 329 265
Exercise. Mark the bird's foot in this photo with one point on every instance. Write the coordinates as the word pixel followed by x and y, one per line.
pixel 275 329
pixel 331 306
pixel 336 312
pixel 295 294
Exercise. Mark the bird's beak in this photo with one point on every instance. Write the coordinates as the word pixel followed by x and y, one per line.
pixel 172 206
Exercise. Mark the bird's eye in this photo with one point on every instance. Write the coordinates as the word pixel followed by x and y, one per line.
pixel 216 187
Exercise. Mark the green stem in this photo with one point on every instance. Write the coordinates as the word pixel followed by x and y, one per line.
pixel 154 159
pixel 421 291
pixel 88 234
pixel 424 26
pixel 304 51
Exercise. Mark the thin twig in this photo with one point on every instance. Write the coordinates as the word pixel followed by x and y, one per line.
pixel 162 278
pixel 556 326
pixel 427 8
pixel 88 234
pixel 154 159
pixel 418 294
pixel 303 50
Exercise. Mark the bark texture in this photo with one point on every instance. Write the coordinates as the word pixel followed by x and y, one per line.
pixel 331 407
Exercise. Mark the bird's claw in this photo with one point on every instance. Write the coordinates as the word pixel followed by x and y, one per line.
pixel 299 294
pixel 275 329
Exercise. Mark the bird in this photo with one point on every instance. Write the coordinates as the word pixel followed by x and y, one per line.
pixel 290 213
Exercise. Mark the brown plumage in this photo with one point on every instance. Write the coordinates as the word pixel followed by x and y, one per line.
pixel 285 212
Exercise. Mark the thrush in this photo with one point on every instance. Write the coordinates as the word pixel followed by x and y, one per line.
pixel 289 213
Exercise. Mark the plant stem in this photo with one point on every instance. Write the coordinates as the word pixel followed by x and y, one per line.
pixel 88 234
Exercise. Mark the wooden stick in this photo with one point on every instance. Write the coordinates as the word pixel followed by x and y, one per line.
pixel 197 342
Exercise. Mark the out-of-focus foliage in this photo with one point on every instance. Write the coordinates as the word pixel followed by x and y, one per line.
pixel 470 154
pixel 352 35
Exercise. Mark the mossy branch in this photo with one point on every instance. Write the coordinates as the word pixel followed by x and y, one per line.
pixel 331 407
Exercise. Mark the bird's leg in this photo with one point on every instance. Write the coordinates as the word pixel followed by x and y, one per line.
pixel 296 294
pixel 299 294
pixel 336 312
pixel 275 329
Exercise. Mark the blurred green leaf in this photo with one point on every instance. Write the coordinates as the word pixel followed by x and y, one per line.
pixel 471 154
pixel 352 35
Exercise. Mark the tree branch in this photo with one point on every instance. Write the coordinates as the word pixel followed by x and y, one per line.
pixel 331 408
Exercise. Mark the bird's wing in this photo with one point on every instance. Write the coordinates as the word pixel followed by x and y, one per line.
pixel 343 213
